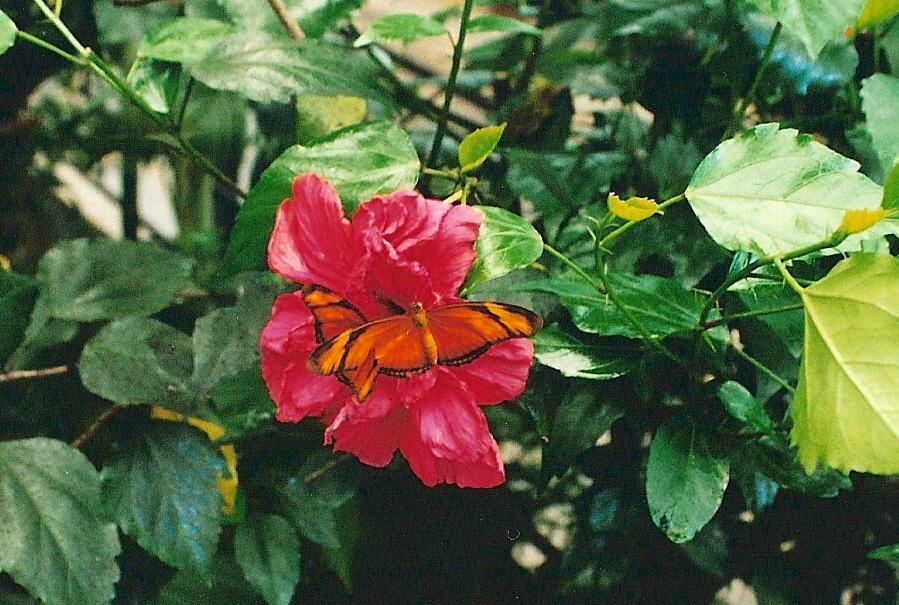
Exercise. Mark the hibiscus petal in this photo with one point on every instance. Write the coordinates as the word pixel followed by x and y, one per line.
pixel 500 374
pixel 312 242
pixel 447 439
pixel 371 430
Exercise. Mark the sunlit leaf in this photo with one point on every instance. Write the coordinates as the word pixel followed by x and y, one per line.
pixel 360 161
pixel 506 242
pixel 7 32
pixel 771 191
pixel 319 116
pixel 815 22
pixel 268 552
pixel 846 408
pixel 401 27
pixel 54 539
pixel 184 39
pixel 477 146
pixel 891 187
pixel 877 11
pixel 577 359
pixel 685 478
pixel 880 100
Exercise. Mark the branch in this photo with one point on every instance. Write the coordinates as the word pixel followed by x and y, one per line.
pixel 283 13
pixel 23 374
pixel 95 426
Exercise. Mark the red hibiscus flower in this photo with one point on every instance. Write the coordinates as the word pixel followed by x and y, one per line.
pixel 398 249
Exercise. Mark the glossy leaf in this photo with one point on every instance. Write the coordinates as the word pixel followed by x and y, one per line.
pixel 736 198
pixel 8 31
pixel 477 146
pixel 845 411
pixel 400 27
pixel 90 280
pixel 506 25
pixel 880 100
pixel 54 540
pixel 137 361
pixel 581 419
pixel 685 478
pixel 265 68
pixel 161 489
pixel 505 242
pixel 268 552
pixel 575 358
pixel 184 39
pixel 744 407
pixel 360 161
pixel 815 22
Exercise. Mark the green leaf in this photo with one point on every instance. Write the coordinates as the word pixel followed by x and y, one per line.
pixel 265 68
pixel 477 146
pixel 773 457
pixel 880 100
pixel 17 296
pixel 844 410
pixel 225 586
pixel 240 403
pixel 744 407
pixel 226 341
pixel 506 242
pixel 577 359
pixel 90 280
pixel 43 332
pixel 326 15
pixel 743 207
pixel 184 39
pixel 581 419
pixel 685 478
pixel 815 22
pixel 137 361
pixel 402 27
pixel 498 23
pixel 156 82
pixel 8 31
pixel 268 552
pixel 663 306
pixel 53 539
pixel 319 116
pixel 886 553
pixel 876 12
pixel 891 187
pixel 161 490
pixel 360 161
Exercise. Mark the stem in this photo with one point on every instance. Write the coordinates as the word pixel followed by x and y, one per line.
pixel 765 370
pixel 179 123
pixel 129 196
pixel 95 426
pixel 51 47
pixel 451 83
pixel 65 31
pixel 760 72
pixel 24 374
pixel 723 320
pixel 571 264
pixel 283 13
pixel 628 225
pixel 315 474
pixel 791 281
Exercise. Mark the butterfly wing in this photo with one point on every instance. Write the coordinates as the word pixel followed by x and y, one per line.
pixel 332 314
pixel 464 331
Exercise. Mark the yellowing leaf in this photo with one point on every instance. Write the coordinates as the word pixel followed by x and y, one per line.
pixel 846 408
pixel 877 11
pixel 632 209
pixel 477 146
pixel 212 430
pixel 856 221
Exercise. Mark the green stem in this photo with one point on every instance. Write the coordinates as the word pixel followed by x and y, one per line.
pixel 791 281
pixel 51 47
pixel 187 90
pixel 755 313
pixel 630 224
pixel 65 31
pixel 743 103
pixel 765 370
pixel 451 83
pixel 573 266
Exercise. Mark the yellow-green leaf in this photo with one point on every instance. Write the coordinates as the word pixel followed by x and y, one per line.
pixel 477 146
pixel 7 32
pixel 846 408
pixel 877 11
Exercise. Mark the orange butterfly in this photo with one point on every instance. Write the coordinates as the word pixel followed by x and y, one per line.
pixel 356 350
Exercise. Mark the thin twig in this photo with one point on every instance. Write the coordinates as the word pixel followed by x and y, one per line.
pixel 286 19
pixel 24 374
pixel 765 370
pixel 745 101
pixel 723 320
pixel 95 426
pixel 324 468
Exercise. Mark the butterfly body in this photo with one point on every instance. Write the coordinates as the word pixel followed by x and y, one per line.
pixel 356 350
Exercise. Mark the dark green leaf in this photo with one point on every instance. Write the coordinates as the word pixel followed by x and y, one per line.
pixel 53 540
pixel 505 242
pixel 498 23
pixel 7 32
pixel 240 403
pixel 340 559
pixel 580 420
pixel 478 145
pixel 225 586
pixel 43 332
pixel 17 296
pixel 402 27
pixel 184 39
pixel 886 553
pixel 268 552
pixel 788 325
pixel 685 478
pixel 360 161
pixel 137 361
pixel 774 458
pixel 265 68
pixel 577 359
pixel 744 407
pixel 161 489
pixel 90 280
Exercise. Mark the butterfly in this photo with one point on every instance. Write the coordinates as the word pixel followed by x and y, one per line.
pixel 356 350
